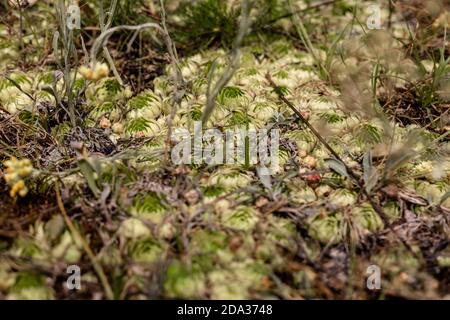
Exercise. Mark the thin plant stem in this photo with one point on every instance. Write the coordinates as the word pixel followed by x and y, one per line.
pixel 77 235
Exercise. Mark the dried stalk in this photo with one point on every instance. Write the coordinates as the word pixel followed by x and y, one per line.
pixel 104 26
pixel 178 91
pixel 66 37
pixel 232 67
pixel 76 235
pixel 100 42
